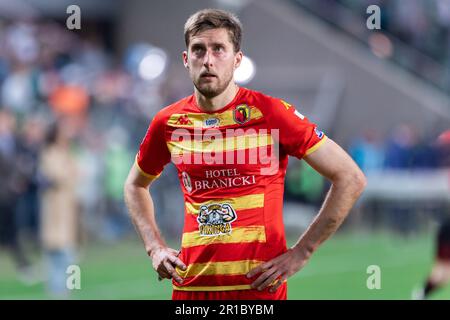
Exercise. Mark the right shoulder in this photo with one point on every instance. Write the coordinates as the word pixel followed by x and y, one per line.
pixel 163 115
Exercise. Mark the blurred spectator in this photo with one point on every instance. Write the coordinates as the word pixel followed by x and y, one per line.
pixel 17 91
pixel 60 216
pixel 90 159
pixel 69 100
pixel 29 146
pixel 11 185
pixel 367 151
pixel 400 147
pixel 118 161
pixel 443 149
pixel 425 154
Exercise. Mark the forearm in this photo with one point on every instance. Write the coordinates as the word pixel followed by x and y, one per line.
pixel 141 209
pixel 338 203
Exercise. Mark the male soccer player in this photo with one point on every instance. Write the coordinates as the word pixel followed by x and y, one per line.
pixel 439 275
pixel 230 146
pixel 440 272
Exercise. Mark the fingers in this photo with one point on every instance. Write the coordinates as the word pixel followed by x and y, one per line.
pixel 261 268
pixel 172 271
pixel 165 262
pixel 278 284
pixel 162 273
pixel 176 261
pixel 270 272
pixel 269 281
pixel 266 279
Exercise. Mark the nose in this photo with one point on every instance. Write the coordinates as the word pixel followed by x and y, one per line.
pixel 207 59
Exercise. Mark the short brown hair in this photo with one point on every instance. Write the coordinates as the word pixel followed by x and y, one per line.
pixel 207 19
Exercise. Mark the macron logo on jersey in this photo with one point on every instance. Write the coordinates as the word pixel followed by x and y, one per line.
pixel 288 105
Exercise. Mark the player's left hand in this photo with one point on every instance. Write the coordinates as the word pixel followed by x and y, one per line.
pixel 277 270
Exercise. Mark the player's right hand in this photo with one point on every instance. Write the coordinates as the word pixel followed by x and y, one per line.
pixel 164 261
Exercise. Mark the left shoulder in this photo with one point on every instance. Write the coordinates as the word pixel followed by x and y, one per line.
pixel 265 102
pixel 274 108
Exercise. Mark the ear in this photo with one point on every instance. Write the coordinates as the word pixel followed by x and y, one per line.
pixel 238 59
pixel 185 59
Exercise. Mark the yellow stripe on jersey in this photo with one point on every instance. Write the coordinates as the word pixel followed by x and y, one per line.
pixel 316 146
pixel 242 142
pixel 213 288
pixel 224 119
pixel 250 201
pixel 219 268
pixel 237 235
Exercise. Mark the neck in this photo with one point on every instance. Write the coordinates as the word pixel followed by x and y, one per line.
pixel 219 101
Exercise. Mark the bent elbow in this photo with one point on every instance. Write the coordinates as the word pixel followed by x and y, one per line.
pixel 354 179
pixel 360 181
pixel 128 187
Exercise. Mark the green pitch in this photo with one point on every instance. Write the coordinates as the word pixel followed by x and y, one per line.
pixel 338 270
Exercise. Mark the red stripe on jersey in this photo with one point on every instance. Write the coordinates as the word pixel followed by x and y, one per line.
pixel 215 280
pixel 232 252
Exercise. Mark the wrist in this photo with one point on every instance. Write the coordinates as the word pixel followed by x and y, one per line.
pixel 304 249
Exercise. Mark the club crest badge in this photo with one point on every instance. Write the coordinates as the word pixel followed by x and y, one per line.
pixel 241 114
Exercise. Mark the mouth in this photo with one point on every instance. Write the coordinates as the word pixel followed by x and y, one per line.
pixel 208 75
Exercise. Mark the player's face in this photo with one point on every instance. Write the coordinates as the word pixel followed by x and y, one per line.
pixel 211 61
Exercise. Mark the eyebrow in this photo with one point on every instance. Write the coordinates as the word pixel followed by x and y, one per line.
pixel 201 44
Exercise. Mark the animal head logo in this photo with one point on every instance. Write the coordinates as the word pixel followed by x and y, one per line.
pixel 215 219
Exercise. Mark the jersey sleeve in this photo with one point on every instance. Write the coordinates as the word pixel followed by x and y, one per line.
pixel 298 136
pixel 153 153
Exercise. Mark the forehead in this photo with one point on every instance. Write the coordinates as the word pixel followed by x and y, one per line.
pixel 209 36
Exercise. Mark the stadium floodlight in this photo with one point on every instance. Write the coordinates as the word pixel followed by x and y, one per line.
pixel 153 64
pixel 246 71
pixel 146 61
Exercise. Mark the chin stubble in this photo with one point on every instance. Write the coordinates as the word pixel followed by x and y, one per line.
pixel 211 93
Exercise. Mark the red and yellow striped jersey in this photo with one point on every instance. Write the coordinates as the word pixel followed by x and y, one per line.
pixel 231 165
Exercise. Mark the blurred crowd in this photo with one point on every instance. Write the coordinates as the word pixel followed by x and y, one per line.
pixel 72 115
pixel 418 31
pixel 422 24
pixel 405 149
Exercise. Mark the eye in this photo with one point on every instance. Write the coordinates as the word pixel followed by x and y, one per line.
pixel 218 48
pixel 197 49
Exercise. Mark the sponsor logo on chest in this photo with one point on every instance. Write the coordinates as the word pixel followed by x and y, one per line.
pixel 211 123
